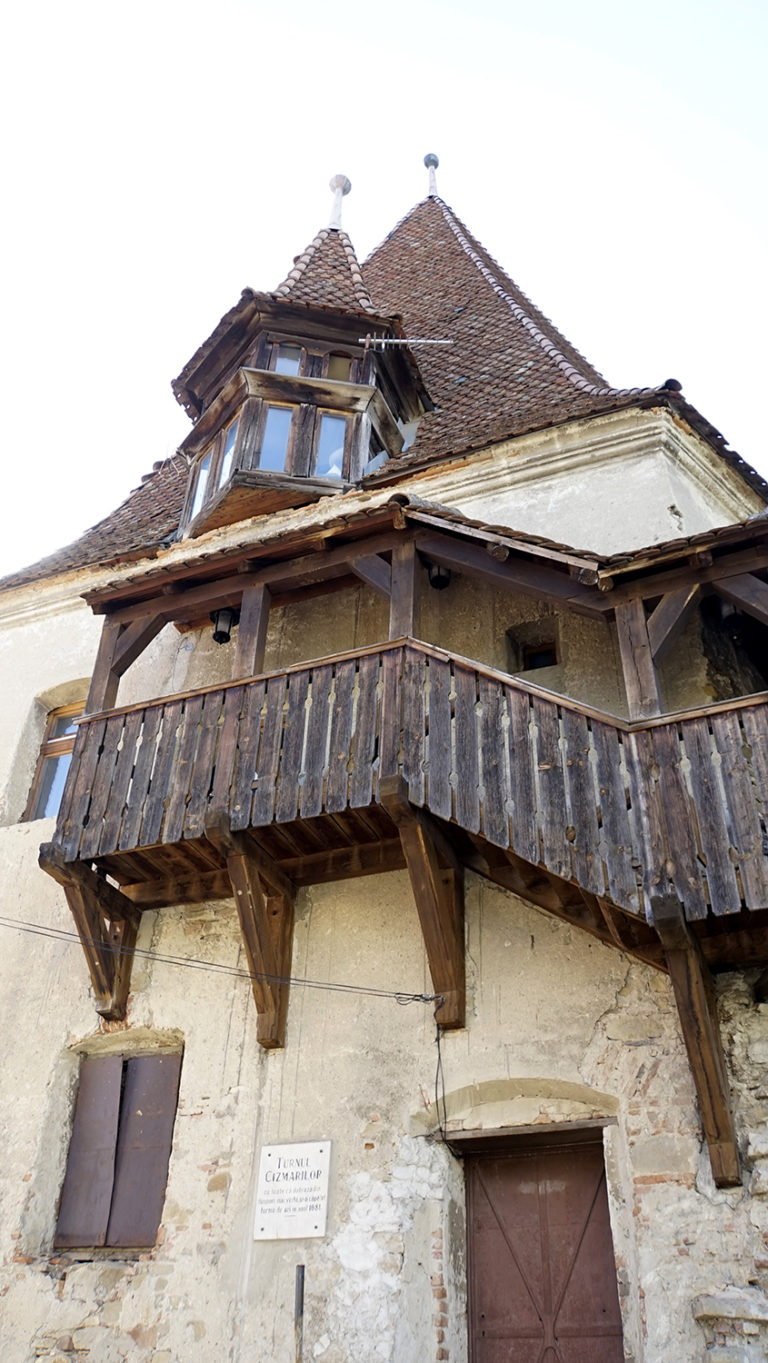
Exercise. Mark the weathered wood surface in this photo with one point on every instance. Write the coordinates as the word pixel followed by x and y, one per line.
pixel 624 812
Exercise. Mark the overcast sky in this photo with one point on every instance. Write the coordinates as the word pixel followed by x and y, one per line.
pixel 162 156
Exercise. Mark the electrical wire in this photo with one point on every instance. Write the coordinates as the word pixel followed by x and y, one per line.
pixel 213 967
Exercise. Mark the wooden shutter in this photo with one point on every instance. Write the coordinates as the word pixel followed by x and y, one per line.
pixel 86 1194
pixel 143 1149
pixel 541 1264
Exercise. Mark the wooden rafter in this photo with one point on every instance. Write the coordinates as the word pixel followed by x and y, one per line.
pixel 748 593
pixel 438 889
pixel 264 897
pixel 694 996
pixel 107 923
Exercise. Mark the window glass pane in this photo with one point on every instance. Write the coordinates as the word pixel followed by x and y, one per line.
pixel 64 724
pixel 201 486
pixel 52 786
pixel 229 450
pixel 288 359
pixel 330 447
pixel 274 446
pixel 339 367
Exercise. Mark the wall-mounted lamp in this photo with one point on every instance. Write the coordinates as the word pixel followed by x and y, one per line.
pixel 439 577
pixel 224 621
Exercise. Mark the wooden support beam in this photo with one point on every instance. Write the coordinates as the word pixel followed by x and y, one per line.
pixel 748 593
pixel 252 632
pixel 694 996
pixel 439 894
pixel 373 570
pixel 102 692
pixel 404 600
pixel 107 924
pixel 515 574
pixel 266 923
pixel 642 687
pixel 667 620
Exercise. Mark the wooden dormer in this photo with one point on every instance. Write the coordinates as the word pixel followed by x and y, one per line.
pixel 294 396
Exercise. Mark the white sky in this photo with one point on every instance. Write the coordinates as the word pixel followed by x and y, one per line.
pixel 162 155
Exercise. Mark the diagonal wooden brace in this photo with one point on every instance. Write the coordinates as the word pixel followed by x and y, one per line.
pixel 437 881
pixel 694 996
pixel 107 924
pixel 265 905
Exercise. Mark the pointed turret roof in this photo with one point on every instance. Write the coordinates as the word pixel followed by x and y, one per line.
pixel 328 274
pixel 508 369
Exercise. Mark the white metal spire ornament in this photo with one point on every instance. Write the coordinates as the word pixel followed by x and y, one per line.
pixel 340 186
pixel 432 162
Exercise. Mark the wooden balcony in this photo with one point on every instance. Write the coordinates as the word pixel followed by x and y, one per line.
pixel 625 812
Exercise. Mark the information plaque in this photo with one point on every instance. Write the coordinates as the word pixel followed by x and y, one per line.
pixel 292 1197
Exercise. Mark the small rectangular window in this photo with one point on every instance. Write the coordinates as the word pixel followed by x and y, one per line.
pixel 117 1166
pixel 274 444
pixel 53 763
pixel 330 447
pixel 339 367
pixel 227 455
pixel 201 486
pixel 288 359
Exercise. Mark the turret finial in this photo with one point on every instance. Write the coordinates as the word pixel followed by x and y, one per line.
pixel 432 162
pixel 340 186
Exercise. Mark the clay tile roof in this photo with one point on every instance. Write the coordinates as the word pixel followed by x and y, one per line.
pixel 328 272
pixel 509 369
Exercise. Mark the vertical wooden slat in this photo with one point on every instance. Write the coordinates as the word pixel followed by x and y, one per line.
pixel 579 773
pixel 183 771
pixel 414 686
pixel 440 729
pixel 616 834
pixel 234 781
pixel 676 804
pixel 645 813
pixel 466 773
pixel 229 739
pixel 129 833
pixel 205 756
pixel 317 735
pixel 551 784
pixel 746 834
pixel 265 770
pixel 365 736
pixel 143 1149
pixel 724 893
pixel 73 805
pixel 159 788
pixel 86 1193
pixel 121 780
pixel 525 830
pixel 289 770
pixel 495 822
pixel 102 783
pixel 389 741
pixel 341 738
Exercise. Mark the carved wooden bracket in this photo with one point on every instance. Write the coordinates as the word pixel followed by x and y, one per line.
pixel 437 881
pixel 694 996
pixel 265 905
pixel 107 924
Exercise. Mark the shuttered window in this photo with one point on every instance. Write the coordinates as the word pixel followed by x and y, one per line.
pixel 117 1167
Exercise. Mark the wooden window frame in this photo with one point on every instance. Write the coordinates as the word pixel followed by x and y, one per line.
pixel 215 448
pixel 114 1187
pixel 51 749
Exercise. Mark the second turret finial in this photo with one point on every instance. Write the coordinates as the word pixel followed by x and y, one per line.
pixel 340 186
pixel 432 162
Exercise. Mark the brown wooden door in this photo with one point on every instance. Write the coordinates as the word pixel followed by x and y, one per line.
pixel 542 1277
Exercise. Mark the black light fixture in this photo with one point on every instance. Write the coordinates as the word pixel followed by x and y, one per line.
pixel 439 577
pixel 224 621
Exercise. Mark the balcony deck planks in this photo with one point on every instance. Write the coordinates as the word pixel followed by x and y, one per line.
pixel 624 812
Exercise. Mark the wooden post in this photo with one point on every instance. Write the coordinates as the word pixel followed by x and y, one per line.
pixel 266 923
pixel 252 634
pixel 640 679
pixel 403 608
pixel 107 924
pixel 439 894
pixel 120 645
pixel 694 996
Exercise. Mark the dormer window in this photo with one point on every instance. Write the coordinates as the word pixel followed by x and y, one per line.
pixel 215 468
pixel 276 439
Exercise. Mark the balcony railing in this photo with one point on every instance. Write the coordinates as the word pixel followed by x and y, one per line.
pixel 618 809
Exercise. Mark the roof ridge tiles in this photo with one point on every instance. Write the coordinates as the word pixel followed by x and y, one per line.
pixel 329 287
